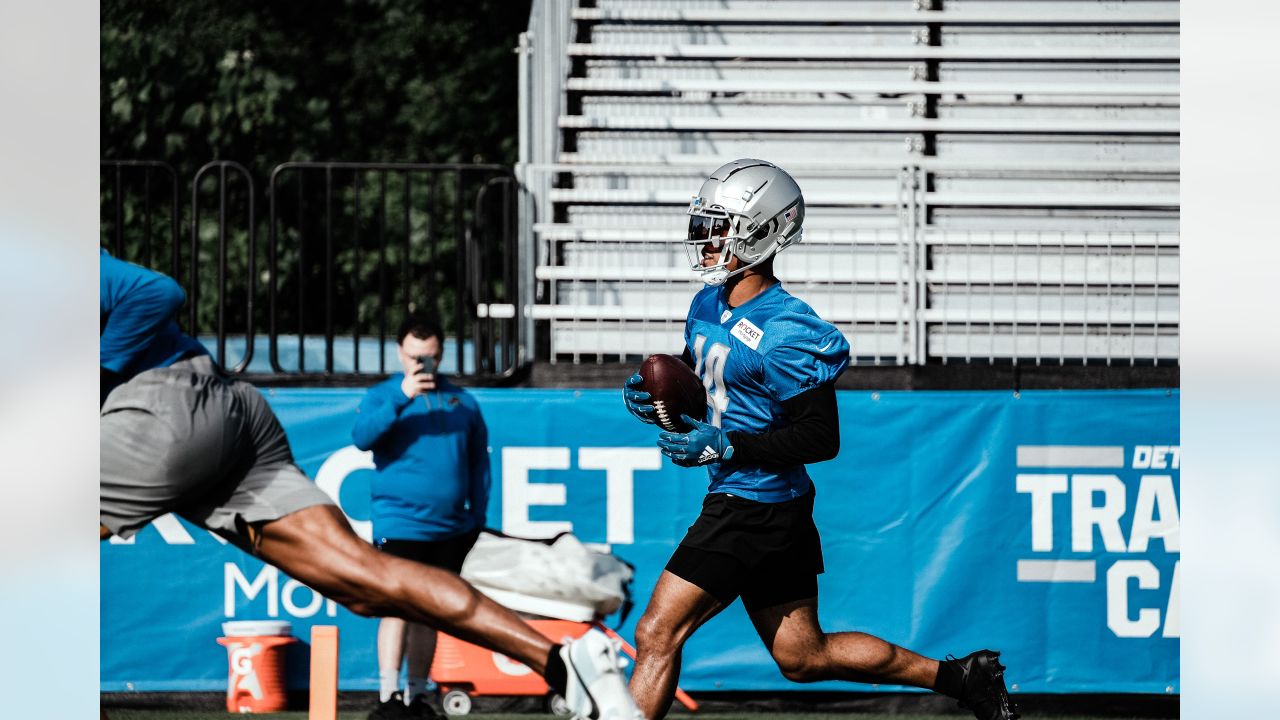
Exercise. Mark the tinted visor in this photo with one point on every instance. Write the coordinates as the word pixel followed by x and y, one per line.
pixel 702 228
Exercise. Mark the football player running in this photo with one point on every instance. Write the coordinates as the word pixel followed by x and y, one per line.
pixel 769 365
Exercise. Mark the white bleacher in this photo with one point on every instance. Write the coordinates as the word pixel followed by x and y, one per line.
pixel 994 180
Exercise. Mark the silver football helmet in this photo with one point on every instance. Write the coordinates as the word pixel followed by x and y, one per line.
pixel 749 208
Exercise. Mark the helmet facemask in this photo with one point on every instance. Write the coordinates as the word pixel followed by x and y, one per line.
pixel 731 233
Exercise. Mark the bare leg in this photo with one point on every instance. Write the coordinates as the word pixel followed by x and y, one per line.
pixel 805 653
pixel 317 547
pixel 420 650
pixel 676 609
pixel 391 637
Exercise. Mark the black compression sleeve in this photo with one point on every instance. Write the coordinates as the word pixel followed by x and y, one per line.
pixel 813 435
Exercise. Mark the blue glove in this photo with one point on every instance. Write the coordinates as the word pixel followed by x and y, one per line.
pixel 702 445
pixel 634 398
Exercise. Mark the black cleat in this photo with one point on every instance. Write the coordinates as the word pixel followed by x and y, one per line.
pixel 393 709
pixel 983 687
pixel 420 708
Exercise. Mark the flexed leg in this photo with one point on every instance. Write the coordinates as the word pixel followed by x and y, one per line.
pixel 676 609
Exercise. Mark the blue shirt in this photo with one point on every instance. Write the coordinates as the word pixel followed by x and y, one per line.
pixel 137 307
pixel 751 358
pixel 432 459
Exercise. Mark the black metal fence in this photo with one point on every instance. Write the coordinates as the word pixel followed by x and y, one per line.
pixel 351 249
pixel 141 213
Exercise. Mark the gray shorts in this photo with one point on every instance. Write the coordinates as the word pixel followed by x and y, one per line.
pixel 189 439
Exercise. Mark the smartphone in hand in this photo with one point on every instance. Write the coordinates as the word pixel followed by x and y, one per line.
pixel 428 364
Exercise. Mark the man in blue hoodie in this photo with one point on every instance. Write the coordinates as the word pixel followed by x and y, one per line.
pixel 430 448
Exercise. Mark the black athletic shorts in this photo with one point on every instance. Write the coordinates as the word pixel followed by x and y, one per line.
pixel 767 553
pixel 448 554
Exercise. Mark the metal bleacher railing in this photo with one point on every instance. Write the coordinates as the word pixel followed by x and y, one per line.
pixel 349 249
pixel 990 181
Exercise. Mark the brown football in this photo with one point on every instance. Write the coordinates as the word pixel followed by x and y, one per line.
pixel 674 390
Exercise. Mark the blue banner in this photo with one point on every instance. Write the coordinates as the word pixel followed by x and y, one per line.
pixel 1043 524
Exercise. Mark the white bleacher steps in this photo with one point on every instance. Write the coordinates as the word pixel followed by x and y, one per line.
pixel 1094 344
pixel 878 263
pixel 787 12
pixel 642 339
pixel 979 336
pixel 915 52
pixel 856 87
pixel 856 149
pixel 995 179
pixel 1121 313
pixel 740 36
pixel 637 301
pixel 739 108
pixel 989 148
pixel 681 197
pixel 852 186
pixel 1043 304
pixel 656 238
pixel 956 266
pixel 878 344
pixel 871 181
pixel 887 124
pixel 1052 73
pixel 739 71
pixel 951 219
pixel 866 271
pixel 883 71
pixel 1049 240
pixel 843 233
pixel 696 165
pixel 837 109
pixel 868 146
pixel 657 216
pixel 886 266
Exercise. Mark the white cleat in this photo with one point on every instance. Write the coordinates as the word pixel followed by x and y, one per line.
pixel 597 688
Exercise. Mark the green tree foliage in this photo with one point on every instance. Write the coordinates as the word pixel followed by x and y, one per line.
pixel 423 81
pixel 262 83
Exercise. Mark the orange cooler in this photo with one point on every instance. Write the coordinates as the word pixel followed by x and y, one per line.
pixel 255 656
pixel 463 670
pixel 469 667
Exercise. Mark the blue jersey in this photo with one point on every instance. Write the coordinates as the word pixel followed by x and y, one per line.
pixel 136 310
pixel 752 358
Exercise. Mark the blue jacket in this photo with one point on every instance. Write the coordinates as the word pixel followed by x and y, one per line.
pixel 432 460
